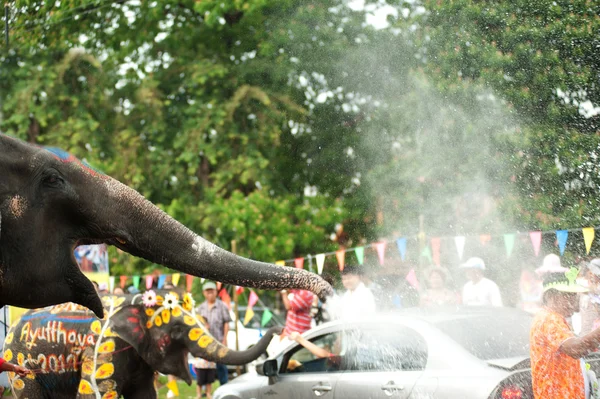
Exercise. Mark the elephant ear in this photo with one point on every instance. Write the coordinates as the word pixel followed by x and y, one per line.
pixel 130 324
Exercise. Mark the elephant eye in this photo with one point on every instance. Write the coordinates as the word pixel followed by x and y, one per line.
pixel 53 180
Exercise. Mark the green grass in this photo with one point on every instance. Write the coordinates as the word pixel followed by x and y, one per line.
pixel 185 391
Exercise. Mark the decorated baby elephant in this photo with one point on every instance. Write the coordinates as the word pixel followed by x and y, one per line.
pixel 76 355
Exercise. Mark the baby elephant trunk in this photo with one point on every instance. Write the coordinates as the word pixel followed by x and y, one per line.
pixel 225 356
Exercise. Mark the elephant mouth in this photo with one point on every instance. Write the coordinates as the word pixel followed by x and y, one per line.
pixel 187 377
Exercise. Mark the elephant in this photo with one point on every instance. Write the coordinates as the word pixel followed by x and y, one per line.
pixel 51 202
pixel 76 355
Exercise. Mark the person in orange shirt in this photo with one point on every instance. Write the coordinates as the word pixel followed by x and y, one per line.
pixel 557 370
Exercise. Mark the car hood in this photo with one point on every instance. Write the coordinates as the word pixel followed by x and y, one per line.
pixel 510 364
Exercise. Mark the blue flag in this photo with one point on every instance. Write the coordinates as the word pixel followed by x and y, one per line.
pixel 161 280
pixel 561 237
pixel 401 243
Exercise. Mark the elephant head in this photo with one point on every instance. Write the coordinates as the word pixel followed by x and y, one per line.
pixel 163 328
pixel 50 202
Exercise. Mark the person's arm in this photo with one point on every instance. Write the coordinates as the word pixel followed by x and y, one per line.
pixel 577 347
pixel 285 299
pixel 6 366
pixel 312 348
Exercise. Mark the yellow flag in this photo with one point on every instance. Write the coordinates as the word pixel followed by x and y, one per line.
pixel 173 387
pixel 175 278
pixel 280 263
pixel 249 315
pixel 588 237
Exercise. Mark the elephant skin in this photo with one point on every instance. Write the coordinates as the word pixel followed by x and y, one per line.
pixel 50 202
pixel 76 355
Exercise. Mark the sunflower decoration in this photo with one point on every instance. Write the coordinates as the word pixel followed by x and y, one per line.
pixel 188 302
pixel 171 301
pixel 149 298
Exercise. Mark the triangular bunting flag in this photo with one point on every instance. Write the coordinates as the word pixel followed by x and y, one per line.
pixel 484 239
pixel 380 247
pixel 588 238
pixel 299 262
pixel 249 315
pixel 401 244
pixel 561 237
pixel 341 256
pixel 252 299
pixel 111 284
pixel 360 254
pixel 123 280
pixel 509 243
pixel 411 277
pixel 320 262
pixel 426 252
pixel 189 280
pixel 266 317
pixel 136 282
pixel 436 243
pixel 219 285
pixel 173 387
pixel 280 263
pixel 239 289
pixel 536 241
pixel 459 241
pixel 224 295
pixel 149 281
pixel 175 279
pixel 161 280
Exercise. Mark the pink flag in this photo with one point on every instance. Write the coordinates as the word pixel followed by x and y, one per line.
pixel 123 281
pixel 435 247
pixel 380 247
pixel 299 262
pixel 252 299
pixel 341 258
pixel 411 277
pixel 149 280
pixel 536 241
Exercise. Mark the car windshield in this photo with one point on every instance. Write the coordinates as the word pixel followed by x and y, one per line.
pixel 489 336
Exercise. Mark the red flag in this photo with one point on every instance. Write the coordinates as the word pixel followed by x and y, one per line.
pixel 435 247
pixel 123 281
pixel 299 262
pixel 341 258
pixel 224 295
pixel 239 289
pixel 189 279
pixel 252 299
pixel 484 239
pixel 380 247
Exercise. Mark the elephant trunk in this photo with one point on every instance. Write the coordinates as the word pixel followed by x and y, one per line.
pixel 217 352
pixel 144 230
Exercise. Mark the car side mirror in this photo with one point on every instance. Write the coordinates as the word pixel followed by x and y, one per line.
pixel 267 368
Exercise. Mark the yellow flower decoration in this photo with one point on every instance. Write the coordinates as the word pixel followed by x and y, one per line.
pixel 87 367
pixel 166 316
pixel 158 321
pixel 159 300
pixel 204 341
pixel 148 324
pixel 188 302
pixel 190 321
pixel 8 355
pixel 85 388
pixel 110 333
pixel 9 338
pixel 96 327
pixel 149 312
pixel 223 351
pixel 176 312
pixel 20 359
pixel 107 347
pixel 110 395
pixel 195 333
pixel 18 384
pixel 105 371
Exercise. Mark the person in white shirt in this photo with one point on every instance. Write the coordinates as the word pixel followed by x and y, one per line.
pixel 358 301
pixel 479 291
